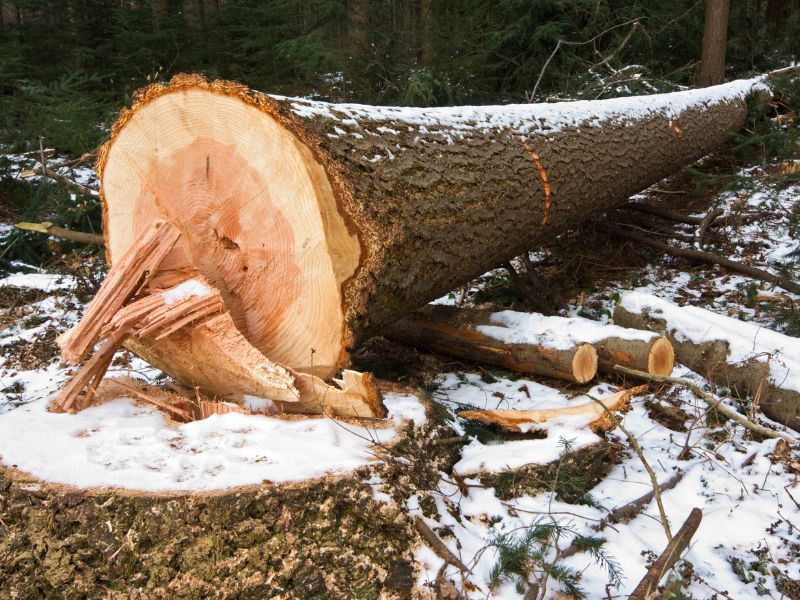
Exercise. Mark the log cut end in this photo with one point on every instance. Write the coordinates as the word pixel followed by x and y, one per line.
pixel 661 359
pixel 584 363
pixel 255 210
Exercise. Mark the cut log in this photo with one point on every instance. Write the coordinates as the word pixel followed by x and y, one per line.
pixel 532 343
pixel 590 414
pixel 443 329
pixel 320 224
pixel 743 357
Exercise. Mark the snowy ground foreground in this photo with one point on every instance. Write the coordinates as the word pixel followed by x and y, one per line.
pixel 121 444
pixel 749 500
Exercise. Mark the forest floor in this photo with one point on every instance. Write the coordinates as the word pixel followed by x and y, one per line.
pixel 523 533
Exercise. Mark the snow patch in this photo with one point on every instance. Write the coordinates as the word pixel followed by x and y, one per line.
pixel 560 333
pixel 121 444
pixel 187 289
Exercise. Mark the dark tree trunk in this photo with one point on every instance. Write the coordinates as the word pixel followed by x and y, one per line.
pixel 715 40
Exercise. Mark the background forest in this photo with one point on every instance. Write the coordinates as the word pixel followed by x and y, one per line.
pixel 66 66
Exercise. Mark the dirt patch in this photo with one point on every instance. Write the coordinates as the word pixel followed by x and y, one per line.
pixel 28 356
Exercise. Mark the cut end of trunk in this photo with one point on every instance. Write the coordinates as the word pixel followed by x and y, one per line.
pixel 662 357
pixel 255 209
pixel 584 363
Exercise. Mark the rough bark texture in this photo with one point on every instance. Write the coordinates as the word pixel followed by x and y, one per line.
pixel 715 40
pixel 433 205
pixel 710 359
pixel 443 211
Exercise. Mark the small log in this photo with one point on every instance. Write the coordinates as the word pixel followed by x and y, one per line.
pixel 656 356
pixel 483 337
pixel 451 331
pixel 648 585
pixel 710 356
pixel 521 421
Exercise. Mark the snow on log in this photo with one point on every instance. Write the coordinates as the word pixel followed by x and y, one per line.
pixel 560 347
pixel 590 414
pixel 744 357
pixel 319 224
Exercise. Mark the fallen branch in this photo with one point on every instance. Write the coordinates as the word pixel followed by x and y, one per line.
pixel 670 215
pixel 437 545
pixel 626 512
pixel 719 406
pixel 710 217
pixel 48 228
pixel 706 257
pixel 58 178
pixel 647 586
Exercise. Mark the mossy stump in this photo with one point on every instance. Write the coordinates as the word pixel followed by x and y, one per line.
pixel 327 538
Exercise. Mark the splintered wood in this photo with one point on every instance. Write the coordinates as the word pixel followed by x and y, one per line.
pixel 591 414
pixel 176 317
pixel 127 277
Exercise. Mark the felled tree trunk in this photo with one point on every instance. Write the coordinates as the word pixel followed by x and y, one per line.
pixel 320 224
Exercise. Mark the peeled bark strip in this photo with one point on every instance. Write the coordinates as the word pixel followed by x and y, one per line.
pixel 450 331
pixel 507 339
pixel 521 421
pixel 320 224
pixel 711 356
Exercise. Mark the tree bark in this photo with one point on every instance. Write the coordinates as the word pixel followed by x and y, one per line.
pixel 715 40
pixel 321 224
pixel 648 585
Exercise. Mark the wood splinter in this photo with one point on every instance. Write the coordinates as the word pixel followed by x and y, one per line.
pixel 521 421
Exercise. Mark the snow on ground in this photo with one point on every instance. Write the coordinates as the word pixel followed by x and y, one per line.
pixel 748 543
pixel 746 508
pixel 121 444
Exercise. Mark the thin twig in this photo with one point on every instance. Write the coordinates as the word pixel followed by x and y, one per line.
pixel 718 405
pixel 653 479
